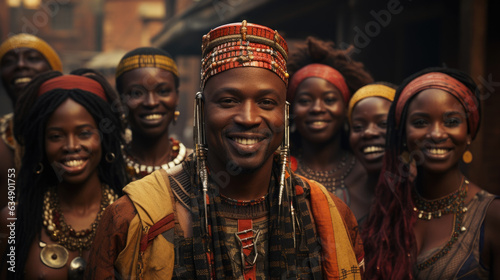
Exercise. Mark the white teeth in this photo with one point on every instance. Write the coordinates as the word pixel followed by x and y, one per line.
pixel 246 141
pixel 437 151
pixel 318 123
pixel 153 117
pixel 373 149
pixel 22 80
pixel 74 163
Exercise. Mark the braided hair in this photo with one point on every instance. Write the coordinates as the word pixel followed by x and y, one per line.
pixel 388 235
pixel 31 116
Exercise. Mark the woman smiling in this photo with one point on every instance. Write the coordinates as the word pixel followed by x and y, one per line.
pixel 71 171
pixel 148 82
pixel 435 223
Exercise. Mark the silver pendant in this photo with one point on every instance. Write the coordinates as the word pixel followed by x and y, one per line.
pixel 76 268
pixel 53 255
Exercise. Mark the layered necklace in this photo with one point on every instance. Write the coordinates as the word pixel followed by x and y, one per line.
pixel 137 170
pixel 453 203
pixel 334 179
pixel 67 238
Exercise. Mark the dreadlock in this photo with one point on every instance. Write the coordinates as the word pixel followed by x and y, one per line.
pixel 31 116
pixel 314 50
pixel 388 235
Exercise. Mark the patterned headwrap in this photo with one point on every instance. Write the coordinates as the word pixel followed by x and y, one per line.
pixel 449 84
pixel 146 57
pixel 73 82
pixel 243 45
pixel 24 40
pixel 319 71
pixel 373 90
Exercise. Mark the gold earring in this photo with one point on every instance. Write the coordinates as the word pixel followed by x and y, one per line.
pixel 467 156
pixel 176 115
pixel 39 169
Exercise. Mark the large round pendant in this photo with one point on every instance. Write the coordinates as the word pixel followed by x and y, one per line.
pixel 76 268
pixel 54 255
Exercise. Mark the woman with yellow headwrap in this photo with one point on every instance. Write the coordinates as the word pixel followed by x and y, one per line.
pixel 22 57
pixel 367 113
pixel 322 80
pixel 148 83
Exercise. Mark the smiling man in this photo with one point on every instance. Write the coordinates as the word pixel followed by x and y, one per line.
pixel 22 57
pixel 234 210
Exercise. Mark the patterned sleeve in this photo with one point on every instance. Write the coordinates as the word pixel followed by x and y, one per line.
pixel 110 239
pixel 352 229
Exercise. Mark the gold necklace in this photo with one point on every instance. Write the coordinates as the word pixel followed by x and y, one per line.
pixel 452 203
pixel 331 179
pixel 62 233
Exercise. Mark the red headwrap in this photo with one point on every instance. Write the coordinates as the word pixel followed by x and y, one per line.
pixel 73 82
pixel 319 71
pixel 447 83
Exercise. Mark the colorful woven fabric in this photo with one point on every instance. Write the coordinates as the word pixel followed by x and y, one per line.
pixel 243 45
pixel 374 90
pixel 319 71
pixel 449 84
pixel 24 40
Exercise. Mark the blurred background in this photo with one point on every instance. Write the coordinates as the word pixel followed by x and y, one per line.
pixel 392 38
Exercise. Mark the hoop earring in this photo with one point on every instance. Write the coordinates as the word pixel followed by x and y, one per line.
pixel 467 156
pixel 39 169
pixel 110 157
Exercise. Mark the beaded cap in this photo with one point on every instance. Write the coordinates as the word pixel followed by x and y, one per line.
pixel 243 45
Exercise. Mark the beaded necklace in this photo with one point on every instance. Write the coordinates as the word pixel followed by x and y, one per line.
pixel 57 228
pixel 452 203
pixel 331 179
pixel 137 170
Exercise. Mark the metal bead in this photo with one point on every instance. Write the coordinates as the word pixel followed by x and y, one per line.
pixel 463 229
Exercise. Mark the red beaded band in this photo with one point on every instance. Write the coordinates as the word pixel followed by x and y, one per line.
pixel 239 45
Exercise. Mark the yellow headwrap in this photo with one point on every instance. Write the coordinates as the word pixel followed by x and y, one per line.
pixel 24 40
pixel 373 90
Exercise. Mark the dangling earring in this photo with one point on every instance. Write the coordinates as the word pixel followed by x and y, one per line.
pixel 467 156
pixel 39 169
pixel 201 151
pixel 110 157
pixel 405 157
pixel 176 116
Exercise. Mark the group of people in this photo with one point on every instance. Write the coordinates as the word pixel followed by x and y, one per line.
pixel 303 167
